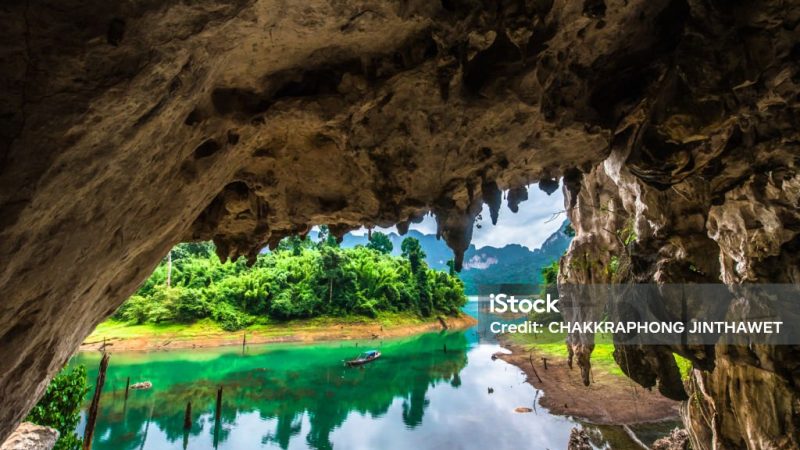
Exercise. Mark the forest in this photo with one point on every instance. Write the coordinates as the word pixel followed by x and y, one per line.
pixel 300 279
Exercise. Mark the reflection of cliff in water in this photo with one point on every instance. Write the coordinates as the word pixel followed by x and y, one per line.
pixel 289 384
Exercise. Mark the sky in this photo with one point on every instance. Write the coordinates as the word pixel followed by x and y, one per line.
pixel 538 218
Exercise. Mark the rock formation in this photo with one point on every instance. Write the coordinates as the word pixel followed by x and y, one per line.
pixel 702 185
pixel 578 439
pixel 677 439
pixel 29 436
pixel 126 127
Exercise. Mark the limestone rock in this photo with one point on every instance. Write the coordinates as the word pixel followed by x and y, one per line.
pixel 579 440
pixel 30 436
pixel 677 439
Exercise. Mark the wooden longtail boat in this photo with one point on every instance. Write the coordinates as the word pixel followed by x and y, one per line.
pixel 364 358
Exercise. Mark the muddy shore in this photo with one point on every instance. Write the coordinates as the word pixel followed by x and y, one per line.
pixel 168 341
pixel 608 400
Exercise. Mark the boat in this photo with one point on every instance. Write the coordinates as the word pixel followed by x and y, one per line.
pixel 364 358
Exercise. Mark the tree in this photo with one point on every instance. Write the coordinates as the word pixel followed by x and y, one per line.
pixel 549 287
pixel 413 252
pixel 451 267
pixel 326 238
pixel 60 406
pixel 550 279
pixel 331 268
pixel 380 243
pixel 550 273
pixel 169 268
pixel 294 244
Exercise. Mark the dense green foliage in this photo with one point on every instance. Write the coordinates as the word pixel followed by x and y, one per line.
pixel 550 278
pixel 380 243
pixel 301 279
pixel 549 286
pixel 61 405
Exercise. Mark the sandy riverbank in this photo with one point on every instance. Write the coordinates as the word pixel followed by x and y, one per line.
pixel 610 399
pixel 129 338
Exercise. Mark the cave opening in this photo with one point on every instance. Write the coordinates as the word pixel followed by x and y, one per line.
pixel 127 127
pixel 198 322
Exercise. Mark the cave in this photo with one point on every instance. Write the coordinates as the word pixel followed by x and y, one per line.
pixel 126 127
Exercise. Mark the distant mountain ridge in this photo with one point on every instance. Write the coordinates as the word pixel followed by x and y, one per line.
pixel 510 264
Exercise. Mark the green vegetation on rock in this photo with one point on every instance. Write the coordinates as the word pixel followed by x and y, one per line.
pixel 60 406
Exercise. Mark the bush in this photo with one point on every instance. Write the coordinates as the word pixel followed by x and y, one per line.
pixel 60 406
pixel 229 318
pixel 191 305
pixel 134 310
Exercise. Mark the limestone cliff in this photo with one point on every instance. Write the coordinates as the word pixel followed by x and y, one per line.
pixel 702 185
pixel 127 126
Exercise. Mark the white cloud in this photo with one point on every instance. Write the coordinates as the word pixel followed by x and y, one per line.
pixel 480 262
pixel 538 218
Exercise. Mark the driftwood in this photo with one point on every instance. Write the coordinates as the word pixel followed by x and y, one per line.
pixel 92 416
pixel 634 438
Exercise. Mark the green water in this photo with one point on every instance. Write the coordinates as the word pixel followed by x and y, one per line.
pixel 300 396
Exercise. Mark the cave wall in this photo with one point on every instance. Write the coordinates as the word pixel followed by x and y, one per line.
pixel 701 186
pixel 126 127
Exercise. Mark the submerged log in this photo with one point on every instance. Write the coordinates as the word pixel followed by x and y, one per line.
pixel 142 385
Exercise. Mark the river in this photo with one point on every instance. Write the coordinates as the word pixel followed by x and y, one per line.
pixel 429 391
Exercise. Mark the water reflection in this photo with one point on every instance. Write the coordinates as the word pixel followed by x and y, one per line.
pixel 284 384
pixel 417 395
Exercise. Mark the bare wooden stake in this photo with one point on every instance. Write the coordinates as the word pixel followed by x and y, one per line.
pixel 544 360
pixel 218 422
pixel 127 386
pixel 530 357
pixel 219 403
pixel 187 417
pixel 92 416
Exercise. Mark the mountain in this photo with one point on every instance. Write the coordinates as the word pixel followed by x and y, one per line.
pixel 486 266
